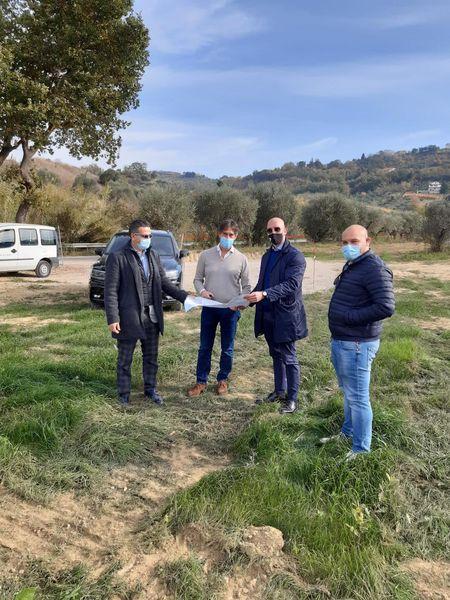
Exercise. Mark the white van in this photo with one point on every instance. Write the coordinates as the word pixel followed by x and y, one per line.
pixel 26 247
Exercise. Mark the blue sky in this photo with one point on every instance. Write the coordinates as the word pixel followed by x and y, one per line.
pixel 240 85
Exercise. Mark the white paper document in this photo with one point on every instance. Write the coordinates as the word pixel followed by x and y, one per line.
pixel 197 301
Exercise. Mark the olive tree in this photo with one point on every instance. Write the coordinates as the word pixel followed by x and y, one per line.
pixel 274 200
pixel 68 72
pixel 326 216
pixel 212 207
pixel 436 226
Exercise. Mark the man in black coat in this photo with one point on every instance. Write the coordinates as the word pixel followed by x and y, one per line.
pixel 362 298
pixel 134 282
pixel 280 314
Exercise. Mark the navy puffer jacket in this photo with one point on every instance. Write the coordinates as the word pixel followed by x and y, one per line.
pixel 362 298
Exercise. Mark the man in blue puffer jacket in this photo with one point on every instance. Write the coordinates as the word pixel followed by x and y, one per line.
pixel 362 298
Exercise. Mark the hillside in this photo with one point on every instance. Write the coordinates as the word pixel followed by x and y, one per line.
pixel 389 179
pixel 381 178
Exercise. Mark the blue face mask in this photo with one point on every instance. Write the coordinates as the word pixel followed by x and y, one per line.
pixel 226 243
pixel 351 252
pixel 144 243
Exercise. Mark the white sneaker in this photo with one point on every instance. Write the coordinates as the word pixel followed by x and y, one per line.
pixel 352 455
pixel 334 438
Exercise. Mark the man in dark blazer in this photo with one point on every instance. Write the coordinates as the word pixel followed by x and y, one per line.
pixel 134 282
pixel 280 314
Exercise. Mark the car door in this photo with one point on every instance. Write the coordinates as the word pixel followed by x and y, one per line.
pixel 28 250
pixel 8 249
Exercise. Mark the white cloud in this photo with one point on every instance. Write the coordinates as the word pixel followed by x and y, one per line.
pixel 411 17
pixel 341 80
pixel 183 26
pixel 212 150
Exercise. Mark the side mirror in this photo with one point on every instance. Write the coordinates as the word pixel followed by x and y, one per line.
pixel 184 253
pixel 99 251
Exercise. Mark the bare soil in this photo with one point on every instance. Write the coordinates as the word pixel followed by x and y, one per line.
pixel 92 531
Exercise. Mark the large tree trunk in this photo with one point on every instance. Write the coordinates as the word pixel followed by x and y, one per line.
pixel 27 180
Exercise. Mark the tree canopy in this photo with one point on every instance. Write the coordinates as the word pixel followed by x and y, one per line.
pixel 69 71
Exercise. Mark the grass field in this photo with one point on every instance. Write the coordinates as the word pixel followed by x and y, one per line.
pixel 347 527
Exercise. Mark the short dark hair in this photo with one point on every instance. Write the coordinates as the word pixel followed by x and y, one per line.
pixel 229 224
pixel 136 224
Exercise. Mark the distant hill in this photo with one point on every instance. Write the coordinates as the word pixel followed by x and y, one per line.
pixel 389 179
pixel 383 178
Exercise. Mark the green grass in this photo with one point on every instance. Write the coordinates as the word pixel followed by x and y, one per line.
pixel 61 425
pixel 69 584
pixel 346 526
pixel 186 579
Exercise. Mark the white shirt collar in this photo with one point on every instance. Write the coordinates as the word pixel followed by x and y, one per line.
pixel 230 251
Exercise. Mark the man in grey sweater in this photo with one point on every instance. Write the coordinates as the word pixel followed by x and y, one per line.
pixel 222 274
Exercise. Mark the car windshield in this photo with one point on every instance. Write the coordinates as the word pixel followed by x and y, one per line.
pixel 162 244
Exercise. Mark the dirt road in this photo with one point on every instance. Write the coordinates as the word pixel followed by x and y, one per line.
pixel 73 278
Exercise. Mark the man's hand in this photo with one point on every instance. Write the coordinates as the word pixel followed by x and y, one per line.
pixel 254 297
pixel 238 307
pixel 206 294
pixel 114 327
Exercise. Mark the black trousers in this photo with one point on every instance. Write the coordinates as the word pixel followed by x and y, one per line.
pixel 149 346
pixel 286 368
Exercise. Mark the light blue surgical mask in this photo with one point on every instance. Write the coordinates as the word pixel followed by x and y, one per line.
pixel 351 252
pixel 226 243
pixel 144 244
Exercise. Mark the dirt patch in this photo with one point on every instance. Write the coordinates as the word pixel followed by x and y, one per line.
pixel 432 579
pixel 90 530
pixel 412 270
pixel 436 324
pixel 31 322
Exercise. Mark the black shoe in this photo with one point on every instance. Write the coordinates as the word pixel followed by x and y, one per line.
pixel 272 397
pixel 155 397
pixel 124 399
pixel 288 407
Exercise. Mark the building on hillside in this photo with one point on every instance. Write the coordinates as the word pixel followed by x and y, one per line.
pixel 434 187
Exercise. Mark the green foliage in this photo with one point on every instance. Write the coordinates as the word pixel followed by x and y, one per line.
pixel 212 207
pixel 326 216
pixel 436 227
pixel 167 208
pixel 59 84
pixel 81 215
pixel 274 200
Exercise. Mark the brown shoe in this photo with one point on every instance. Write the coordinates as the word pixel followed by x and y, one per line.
pixel 222 388
pixel 196 390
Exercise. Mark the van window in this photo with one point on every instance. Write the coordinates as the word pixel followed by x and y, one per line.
pixel 7 238
pixel 48 237
pixel 28 237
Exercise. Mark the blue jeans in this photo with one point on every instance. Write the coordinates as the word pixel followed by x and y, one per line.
pixel 211 317
pixel 352 362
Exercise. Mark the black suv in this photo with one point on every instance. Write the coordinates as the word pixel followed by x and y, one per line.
pixel 163 242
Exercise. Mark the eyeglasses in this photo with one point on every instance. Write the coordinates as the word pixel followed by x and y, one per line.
pixel 274 230
pixel 145 236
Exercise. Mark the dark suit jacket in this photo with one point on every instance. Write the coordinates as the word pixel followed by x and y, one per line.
pixel 124 299
pixel 284 295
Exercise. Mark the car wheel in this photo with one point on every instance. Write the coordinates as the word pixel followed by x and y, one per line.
pixel 43 269
pixel 96 305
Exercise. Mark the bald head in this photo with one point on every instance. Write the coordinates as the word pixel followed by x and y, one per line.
pixel 356 235
pixel 276 230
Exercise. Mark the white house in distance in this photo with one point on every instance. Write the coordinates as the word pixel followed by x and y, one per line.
pixel 434 187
